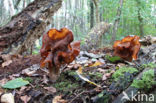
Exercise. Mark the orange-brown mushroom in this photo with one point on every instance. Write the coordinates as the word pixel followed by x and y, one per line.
pixel 127 48
pixel 57 49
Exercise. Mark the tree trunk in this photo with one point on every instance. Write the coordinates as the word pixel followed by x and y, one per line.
pixel 141 29
pixel 23 29
pixel 17 3
pixel 94 36
pixel 117 20
pixel 11 5
pixel 97 11
pixel 91 14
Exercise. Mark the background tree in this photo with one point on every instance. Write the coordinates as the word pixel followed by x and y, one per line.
pixel 80 17
pixel 117 20
pixel 91 14
pixel 140 18
pixel 97 10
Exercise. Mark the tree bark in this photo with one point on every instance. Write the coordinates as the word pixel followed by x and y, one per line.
pixel 27 26
pixel 97 11
pixel 17 3
pixel 12 10
pixel 94 37
pixel 91 14
pixel 141 25
pixel 117 20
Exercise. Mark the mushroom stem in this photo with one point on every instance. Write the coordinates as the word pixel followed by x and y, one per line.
pixel 54 73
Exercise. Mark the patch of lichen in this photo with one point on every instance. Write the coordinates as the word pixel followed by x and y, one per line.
pixel 146 82
pixel 120 72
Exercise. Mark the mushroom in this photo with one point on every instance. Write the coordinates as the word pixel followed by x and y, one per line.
pixel 58 49
pixel 127 48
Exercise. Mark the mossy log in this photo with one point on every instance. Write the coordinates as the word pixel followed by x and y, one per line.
pixel 129 90
pixel 115 91
pixel 24 28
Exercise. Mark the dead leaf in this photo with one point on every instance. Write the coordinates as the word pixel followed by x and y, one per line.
pixel 88 63
pixel 104 77
pixel 25 98
pixel 3 81
pixel 76 66
pixel 73 66
pixel 101 70
pixel 107 75
pixel 31 70
pixel 50 89
pixel 11 77
pixel 58 99
pixel 6 57
pixel 97 63
pixel 28 72
pixel 4 64
pixel 120 65
pixel 22 89
pixel 80 70
pixel 1 91
pixel 16 75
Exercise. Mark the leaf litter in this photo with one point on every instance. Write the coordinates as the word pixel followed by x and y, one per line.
pixel 71 85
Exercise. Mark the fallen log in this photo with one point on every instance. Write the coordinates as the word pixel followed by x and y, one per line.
pixel 19 35
pixel 114 92
pixel 129 91
pixel 147 40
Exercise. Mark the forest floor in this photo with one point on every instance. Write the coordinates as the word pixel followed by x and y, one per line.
pixel 92 77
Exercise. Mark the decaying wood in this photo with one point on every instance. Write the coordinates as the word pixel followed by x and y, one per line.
pixel 129 90
pixel 94 37
pixel 148 40
pixel 146 55
pixel 23 29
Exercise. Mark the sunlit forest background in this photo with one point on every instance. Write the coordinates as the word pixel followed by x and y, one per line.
pixel 127 17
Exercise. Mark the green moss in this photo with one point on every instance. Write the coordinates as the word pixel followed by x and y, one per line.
pixel 65 85
pixel 71 73
pixel 150 65
pixel 113 59
pixel 146 81
pixel 28 79
pixel 95 75
pixel 120 72
pixel 103 97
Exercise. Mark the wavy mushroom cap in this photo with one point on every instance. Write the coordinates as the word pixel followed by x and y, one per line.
pixel 57 48
pixel 127 48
